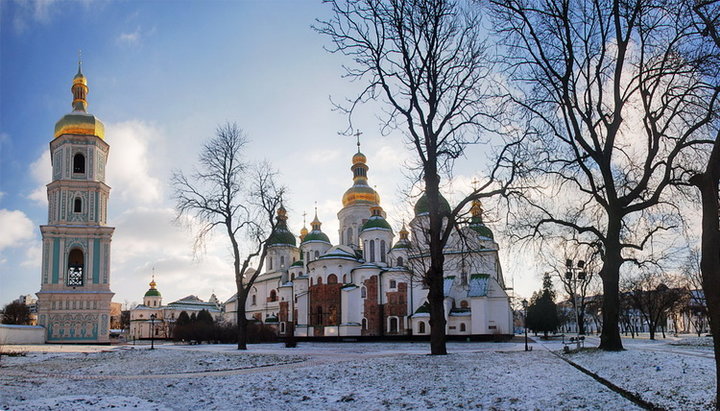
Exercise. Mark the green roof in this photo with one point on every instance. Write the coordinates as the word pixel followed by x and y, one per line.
pixel 422 206
pixel 401 244
pixel 479 227
pixel 316 235
pixel 425 308
pixel 281 236
pixel 152 293
pixel 298 263
pixel 376 222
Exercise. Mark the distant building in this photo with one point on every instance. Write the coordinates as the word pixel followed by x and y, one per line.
pixel 143 325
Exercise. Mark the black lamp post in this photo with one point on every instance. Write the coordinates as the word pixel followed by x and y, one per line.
pixel 152 331
pixel 573 274
pixel 525 307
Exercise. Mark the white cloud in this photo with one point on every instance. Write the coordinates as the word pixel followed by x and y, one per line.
pixel 131 38
pixel 129 165
pixel 27 11
pixel 16 228
pixel 41 171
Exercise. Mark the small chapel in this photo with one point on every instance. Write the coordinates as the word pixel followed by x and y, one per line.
pixel 369 284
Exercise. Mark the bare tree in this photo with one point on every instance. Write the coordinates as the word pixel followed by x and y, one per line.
pixel 229 194
pixel 615 107
pixel 577 284
pixel 653 299
pixel 425 62
pixel 708 14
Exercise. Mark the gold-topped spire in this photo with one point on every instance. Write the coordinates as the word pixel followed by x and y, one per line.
pixel 303 230
pixel 79 122
pixel 315 223
pixel 404 232
pixel 476 210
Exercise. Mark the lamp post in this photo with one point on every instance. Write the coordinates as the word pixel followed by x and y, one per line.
pixel 573 274
pixel 152 331
pixel 525 307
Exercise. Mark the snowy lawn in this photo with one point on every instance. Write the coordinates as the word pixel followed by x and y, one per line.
pixel 333 376
pixel 668 377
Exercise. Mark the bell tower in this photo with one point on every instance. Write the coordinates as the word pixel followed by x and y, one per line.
pixel 74 297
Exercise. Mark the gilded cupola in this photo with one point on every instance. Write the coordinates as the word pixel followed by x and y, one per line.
pixel 79 121
pixel 360 192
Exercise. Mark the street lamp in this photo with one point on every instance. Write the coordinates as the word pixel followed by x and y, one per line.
pixel 525 307
pixel 573 274
pixel 152 331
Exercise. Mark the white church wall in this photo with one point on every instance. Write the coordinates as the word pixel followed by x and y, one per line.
pixel 21 334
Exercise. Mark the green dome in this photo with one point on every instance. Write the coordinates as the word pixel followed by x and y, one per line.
pixel 152 293
pixel 298 263
pixel 316 235
pixel 422 207
pixel 481 229
pixel 401 244
pixel 376 222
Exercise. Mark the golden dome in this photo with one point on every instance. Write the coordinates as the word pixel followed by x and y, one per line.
pixel 359 158
pixel 80 121
pixel 360 194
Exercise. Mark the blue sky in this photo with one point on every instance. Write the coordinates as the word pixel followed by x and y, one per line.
pixel 162 76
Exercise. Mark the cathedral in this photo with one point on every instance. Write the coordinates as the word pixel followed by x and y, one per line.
pixel 74 297
pixel 370 283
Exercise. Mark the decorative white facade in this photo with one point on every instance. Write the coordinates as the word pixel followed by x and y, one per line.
pixel 74 297
pixel 369 284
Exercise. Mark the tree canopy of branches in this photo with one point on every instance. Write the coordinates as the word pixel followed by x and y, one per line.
pixel 542 312
pixel 236 197
pixel 615 108
pixel 16 313
pixel 423 60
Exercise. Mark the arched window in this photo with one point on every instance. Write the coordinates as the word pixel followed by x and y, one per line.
pixel 332 279
pixel 270 263
pixel 421 327
pixel 372 250
pixel 344 278
pixel 349 236
pixel 319 280
pixel 292 277
pixel 76 265
pixel 463 304
pixel 77 206
pixel 382 250
pixel 282 328
pixel 399 261
pixel 282 261
pixel 254 299
pixel 317 254
pixel 363 292
pixel 78 163
pixel 393 324
pixel 364 323
pixel 462 327
pixel 393 284
pixel 311 282
pixel 319 311
pixel 273 296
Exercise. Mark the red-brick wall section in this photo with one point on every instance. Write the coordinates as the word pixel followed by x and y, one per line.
pixel 283 315
pixel 324 306
pixel 396 306
pixel 372 309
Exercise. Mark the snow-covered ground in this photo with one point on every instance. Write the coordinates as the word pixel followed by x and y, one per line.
pixel 344 376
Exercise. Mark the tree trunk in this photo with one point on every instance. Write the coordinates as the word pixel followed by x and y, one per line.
pixel 710 258
pixel 610 339
pixel 241 318
pixel 436 294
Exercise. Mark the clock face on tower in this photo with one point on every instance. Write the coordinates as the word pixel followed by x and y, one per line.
pixel 75 276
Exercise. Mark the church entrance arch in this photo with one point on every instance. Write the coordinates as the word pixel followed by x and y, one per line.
pixel 76 268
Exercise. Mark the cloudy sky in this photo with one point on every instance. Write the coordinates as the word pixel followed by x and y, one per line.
pixel 162 76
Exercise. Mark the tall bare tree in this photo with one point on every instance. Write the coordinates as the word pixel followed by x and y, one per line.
pixel 708 14
pixel 615 107
pixel 229 194
pixel 425 62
